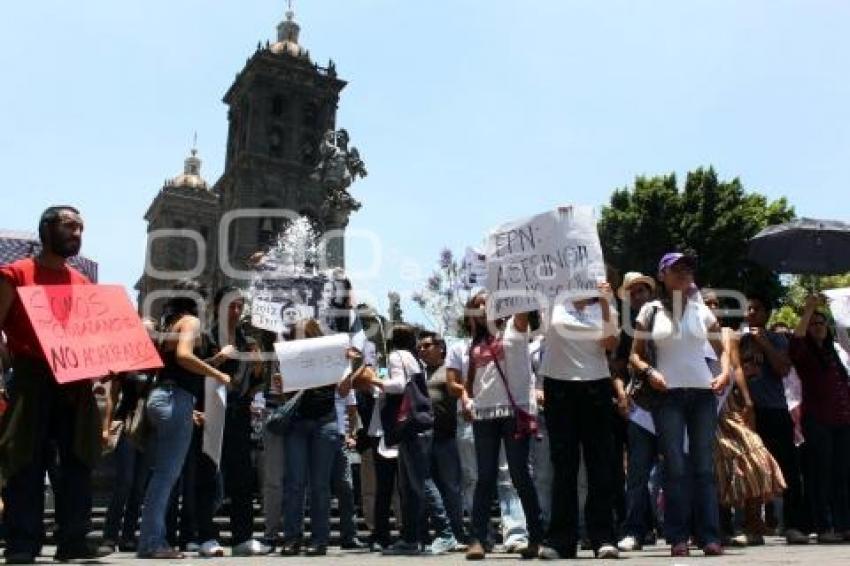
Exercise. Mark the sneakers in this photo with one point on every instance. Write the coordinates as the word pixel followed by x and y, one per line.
pixel 529 551
pixel 402 548
pixel 251 547
pixel 830 538
pixel 714 549
pixel 680 550
pixel 82 551
pixel 552 553
pixel 629 544
pixel 353 544
pixel 20 558
pixel 608 551
pixel 193 547
pixel 755 540
pixel 475 551
pixel 166 553
pixel 211 549
pixel 442 545
pixel 291 548
pixel 795 536
pixel 316 550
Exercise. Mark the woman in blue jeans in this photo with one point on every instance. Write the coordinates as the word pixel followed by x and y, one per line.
pixel 669 352
pixel 499 393
pixel 310 444
pixel 169 409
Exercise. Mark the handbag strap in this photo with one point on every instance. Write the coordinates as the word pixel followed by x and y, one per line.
pixel 504 379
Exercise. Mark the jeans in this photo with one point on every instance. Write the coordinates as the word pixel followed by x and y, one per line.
pixel 642 455
pixel 689 483
pixel 55 435
pixel 490 435
pixel 170 413
pixel 419 492
pixel 130 475
pixel 543 473
pixel 513 524
pixel 828 450
pixel 468 466
pixel 580 424
pixel 237 471
pixel 272 484
pixel 445 467
pixel 343 487
pixel 776 430
pixel 310 446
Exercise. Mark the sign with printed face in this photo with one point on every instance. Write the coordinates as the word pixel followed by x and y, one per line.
pixel 535 261
pixel 88 331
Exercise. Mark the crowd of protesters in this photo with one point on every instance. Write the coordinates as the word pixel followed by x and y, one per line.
pixel 656 413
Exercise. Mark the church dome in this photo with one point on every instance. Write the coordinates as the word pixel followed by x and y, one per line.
pixel 191 177
pixel 287 38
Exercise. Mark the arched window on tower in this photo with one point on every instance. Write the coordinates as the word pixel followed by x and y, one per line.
pixel 278 105
pixel 276 142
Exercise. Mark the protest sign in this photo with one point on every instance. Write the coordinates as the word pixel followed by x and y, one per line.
pixel 474 267
pixel 533 261
pixel 88 331
pixel 839 304
pixel 279 301
pixel 312 362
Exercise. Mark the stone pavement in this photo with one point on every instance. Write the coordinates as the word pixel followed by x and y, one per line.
pixel 774 552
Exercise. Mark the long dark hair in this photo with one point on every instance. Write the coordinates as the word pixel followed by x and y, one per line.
pixel 182 303
pixel 403 337
pixel 479 333
pixel 826 353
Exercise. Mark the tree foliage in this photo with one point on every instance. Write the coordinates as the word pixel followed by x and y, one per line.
pixel 712 218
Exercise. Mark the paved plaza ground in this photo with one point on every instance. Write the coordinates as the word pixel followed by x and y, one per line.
pixel 774 552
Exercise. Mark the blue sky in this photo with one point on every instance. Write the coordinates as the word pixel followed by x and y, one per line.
pixel 468 113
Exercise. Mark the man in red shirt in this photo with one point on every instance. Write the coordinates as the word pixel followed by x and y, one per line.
pixel 44 419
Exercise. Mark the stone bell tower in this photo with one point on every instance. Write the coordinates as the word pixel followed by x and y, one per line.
pixel 281 105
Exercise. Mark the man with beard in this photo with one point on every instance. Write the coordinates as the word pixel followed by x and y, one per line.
pixel 44 418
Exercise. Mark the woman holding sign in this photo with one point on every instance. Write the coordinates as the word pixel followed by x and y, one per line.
pixel 499 399
pixel 310 443
pixel 169 408
pixel 826 421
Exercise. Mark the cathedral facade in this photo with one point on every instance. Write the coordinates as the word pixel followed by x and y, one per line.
pixel 281 109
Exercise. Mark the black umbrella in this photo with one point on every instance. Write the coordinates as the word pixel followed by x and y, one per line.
pixel 805 246
pixel 18 245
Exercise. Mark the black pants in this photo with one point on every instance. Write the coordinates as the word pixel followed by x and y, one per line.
pixel 238 471
pixel 828 451
pixel 385 476
pixel 53 436
pixel 578 418
pixel 776 430
pixel 619 427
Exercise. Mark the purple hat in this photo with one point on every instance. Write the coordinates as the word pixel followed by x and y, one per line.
pixel 671 259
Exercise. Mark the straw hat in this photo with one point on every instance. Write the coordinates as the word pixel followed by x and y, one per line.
pixel 633 278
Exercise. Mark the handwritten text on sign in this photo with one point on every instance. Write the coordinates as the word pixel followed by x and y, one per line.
pixel 534 260
pixel 312 362
pixel 88 331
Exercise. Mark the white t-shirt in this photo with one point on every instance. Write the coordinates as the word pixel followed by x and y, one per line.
pixel 681 346
pixel 489 393
pixel 457 358
pixel 573 349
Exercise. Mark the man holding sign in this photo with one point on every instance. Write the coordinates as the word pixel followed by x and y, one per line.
pixel 43 414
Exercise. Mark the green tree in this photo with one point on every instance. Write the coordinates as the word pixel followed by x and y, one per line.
pixel 799 288
pixel 711 218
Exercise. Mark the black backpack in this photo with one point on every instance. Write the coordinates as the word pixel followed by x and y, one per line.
pixel 410 413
